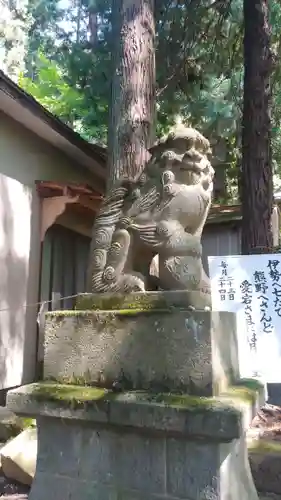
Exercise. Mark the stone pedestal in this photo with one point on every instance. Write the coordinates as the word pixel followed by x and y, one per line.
pixel 147 341
pixel 167 416
pixel 94 444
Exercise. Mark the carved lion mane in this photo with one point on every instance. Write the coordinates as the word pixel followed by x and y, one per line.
pixel 161 213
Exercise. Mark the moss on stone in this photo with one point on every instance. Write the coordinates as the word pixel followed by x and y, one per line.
pixel 14 425
pixel 28 422
pixel 114 302
pixel 103 314
pixel 125 383
pixel 48 391
pixel 261 446
pixel 143 301
pixel 81 395
pixel 79 380
pixel 132 312
pixel 242 393
pixel 251 384
pixel 185 401
pixel 76 396
pixel 245 390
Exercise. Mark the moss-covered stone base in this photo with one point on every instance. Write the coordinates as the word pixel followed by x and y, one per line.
pixel 209 416
pixel 246 391
pixel 140 301
pixel 160 348
pixel 95 443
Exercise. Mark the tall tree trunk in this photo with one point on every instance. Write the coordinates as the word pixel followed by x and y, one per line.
pixel 131 127
pixel 132 117
pixel 256 179
pixel 78 20
pixel 93 26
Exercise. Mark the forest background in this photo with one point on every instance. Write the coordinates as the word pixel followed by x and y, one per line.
pixel 59 51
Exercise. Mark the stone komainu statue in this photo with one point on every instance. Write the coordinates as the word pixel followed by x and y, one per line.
pixel 147 233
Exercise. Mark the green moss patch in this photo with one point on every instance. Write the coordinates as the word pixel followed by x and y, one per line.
pixel 103 314
pixel 251 384
pixel 241 393
pixel 48 391
pixel 141 301
pixel 76 396
pixel 110 302
pixel 12 426
pixel 246 390
pixel 28 422
pixel 185 401
pixel 263 447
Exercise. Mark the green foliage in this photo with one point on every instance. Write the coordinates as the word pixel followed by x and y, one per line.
pixel 51 89
pixel 199 60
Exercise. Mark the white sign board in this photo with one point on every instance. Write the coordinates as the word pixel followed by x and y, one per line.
pixel 251 285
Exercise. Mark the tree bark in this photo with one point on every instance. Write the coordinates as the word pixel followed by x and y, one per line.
pixel 132 118
pixel 256 178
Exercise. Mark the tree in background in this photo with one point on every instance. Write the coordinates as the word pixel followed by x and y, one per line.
pixel 14 23
pixel 132 117
pixel 257 178
pixel 52 89
pixel 199 68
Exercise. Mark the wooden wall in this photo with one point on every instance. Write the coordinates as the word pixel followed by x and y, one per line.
pixel 64 264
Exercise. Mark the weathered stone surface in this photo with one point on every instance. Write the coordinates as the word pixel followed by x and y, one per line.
pixel 135 446
pixel 208 418
pixel 116 462
pixel 265 461
pixel 136 301
pixel 161 214
pixel 171 350
pixel 224 470
pixel 105 456
pixel 265 448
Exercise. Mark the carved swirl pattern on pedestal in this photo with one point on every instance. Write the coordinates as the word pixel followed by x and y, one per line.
pixel 102 237
pixel 109 274
pixel 99 259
